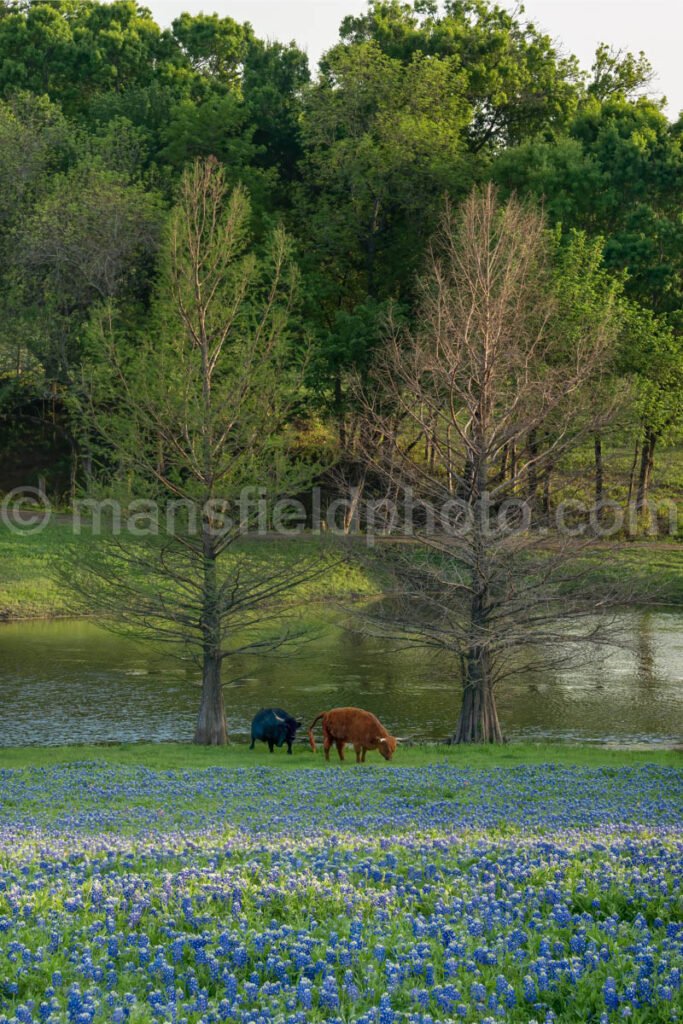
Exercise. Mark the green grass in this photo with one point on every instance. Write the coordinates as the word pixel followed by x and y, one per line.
pixel 667 479
pixel 164 756
pixel 653 570
pixel 28 587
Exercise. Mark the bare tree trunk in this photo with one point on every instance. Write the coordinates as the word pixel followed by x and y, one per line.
pixel 464 489
pixel 73 474
pixel 632 475
pixel 513 461
pixel 599 473
pixel 547 497
pixel 647 462
pixel 339 408
pixel 478 722
pixel 211 728
pixel 532 451
pixel 449 443
pixel 351 515
pixel 504 459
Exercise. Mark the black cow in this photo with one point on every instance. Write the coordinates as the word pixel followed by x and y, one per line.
pixel 275 727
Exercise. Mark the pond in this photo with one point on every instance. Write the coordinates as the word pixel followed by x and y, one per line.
pixel 64 682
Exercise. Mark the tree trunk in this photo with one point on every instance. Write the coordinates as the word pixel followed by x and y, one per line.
pixel 632 475
pixel 504 459
pixel 547 497
pixel 73 472
pixel 352 513
pixel 599 473
pixel 451 484
pixel 478 721
pixel 532 455
pixel 339 410
pixel 647 462
pixel 464 489
pixel 599 488
pixel 211 728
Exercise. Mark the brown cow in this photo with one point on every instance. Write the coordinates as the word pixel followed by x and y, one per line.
pixel 359 728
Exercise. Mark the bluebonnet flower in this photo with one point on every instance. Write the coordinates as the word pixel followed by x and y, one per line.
pixel 109 915
pixel 610 994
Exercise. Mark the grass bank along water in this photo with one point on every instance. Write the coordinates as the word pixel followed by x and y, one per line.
pixel 28 588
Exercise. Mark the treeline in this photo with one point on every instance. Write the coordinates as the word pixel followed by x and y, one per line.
pixel 101 111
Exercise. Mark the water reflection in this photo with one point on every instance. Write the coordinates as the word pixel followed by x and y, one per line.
pixel 645 650
pixel 69 682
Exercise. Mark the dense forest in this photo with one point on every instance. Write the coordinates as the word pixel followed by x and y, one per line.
pixel 102 110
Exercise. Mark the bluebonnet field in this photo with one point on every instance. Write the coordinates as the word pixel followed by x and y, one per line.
pixel 380 895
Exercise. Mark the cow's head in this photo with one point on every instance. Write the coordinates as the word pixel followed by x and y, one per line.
pixel 387 746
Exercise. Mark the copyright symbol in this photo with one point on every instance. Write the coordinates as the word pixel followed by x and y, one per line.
pixel 19 513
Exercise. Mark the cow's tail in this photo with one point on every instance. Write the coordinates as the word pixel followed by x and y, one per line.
pixel 311 737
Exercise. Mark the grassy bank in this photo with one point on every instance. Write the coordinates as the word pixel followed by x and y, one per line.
pixel 28 588
pixel 169 756
pixel 27 571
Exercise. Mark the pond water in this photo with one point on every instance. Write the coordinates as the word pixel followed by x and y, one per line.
pixel 68 682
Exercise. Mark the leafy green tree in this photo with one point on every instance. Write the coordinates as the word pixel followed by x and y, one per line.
pixel 194 412
pixel 412 103
pixel 619 73
pixel 652 357
pixel 36 142
pixel 74 49
pixel 618 173
pixel 214 46
pixel 274 81
pixel 382 142
pixel 517 82
pixel 218 126
pixel 91 237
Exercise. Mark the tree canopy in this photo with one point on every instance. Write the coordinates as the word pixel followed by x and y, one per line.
pixel 102 110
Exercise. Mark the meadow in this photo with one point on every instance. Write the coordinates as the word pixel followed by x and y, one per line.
pixel 438 891
pixel 30 588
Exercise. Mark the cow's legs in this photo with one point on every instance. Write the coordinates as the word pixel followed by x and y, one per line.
pixel 271 746
pixel 357 747
pixel 327 742
pixel 340 749
pixel 289 746
pixel 253 741
pixel 363 755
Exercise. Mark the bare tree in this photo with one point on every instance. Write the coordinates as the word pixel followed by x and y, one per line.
pixel 194 417
pixel 497 378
